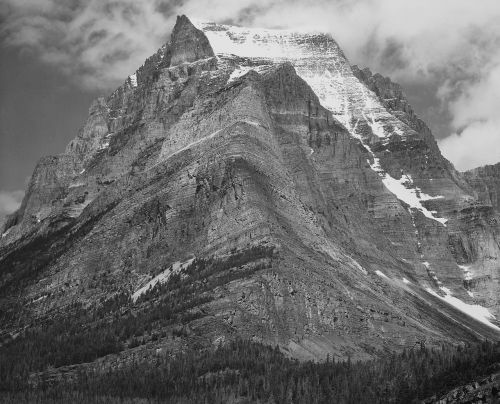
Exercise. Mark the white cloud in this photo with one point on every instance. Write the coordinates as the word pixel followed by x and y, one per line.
pixel 9 202
pixel 476 118
pixel 98 42
pixel 479 100
pixel 477 145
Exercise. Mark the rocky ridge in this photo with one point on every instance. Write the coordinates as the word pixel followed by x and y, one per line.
pixel 357 235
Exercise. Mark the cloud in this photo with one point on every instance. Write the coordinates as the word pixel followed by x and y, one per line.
pixel 449 47
pixel 103 40
pixel 96 42
pixel 9 202
pixel 475 115
pixel 477 145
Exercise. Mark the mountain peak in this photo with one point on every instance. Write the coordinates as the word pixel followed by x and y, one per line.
pixel 272 193
pixel 188 43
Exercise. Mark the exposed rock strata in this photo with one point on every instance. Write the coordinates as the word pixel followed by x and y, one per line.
pixel 486 182
pixel 204 156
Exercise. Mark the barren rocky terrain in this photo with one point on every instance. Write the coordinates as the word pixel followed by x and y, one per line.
pixel 251 183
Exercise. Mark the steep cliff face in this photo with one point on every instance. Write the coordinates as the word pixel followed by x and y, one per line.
pixel 290 203
pixel 445 252
pixel 473 233
pixel 486 182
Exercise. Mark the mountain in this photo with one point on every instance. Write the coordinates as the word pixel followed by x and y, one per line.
pixel 251 184
pixel 486 182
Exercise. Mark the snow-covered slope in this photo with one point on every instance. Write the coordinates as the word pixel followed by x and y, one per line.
pixel 318 59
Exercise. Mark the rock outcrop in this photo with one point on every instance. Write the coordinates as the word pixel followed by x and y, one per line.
pixel 336 225
pixel 188 43
pixel 484 390
pixel 486 182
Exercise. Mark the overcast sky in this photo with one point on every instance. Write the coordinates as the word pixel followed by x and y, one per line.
pixel 58 55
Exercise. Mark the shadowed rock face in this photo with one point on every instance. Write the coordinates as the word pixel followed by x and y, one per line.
pixel 486 182
pixel 188 43
pixel 250 162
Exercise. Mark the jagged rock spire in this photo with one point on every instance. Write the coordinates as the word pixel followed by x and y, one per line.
pixel 188 43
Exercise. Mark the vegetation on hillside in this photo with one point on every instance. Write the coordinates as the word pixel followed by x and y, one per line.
pixel 239 371
pixel 248 372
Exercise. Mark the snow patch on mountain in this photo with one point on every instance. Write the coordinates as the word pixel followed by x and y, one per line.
pixel 467 272
pixel 133 80
pixel 404 189
pixel 315 56
pixel 76 185
pixel 162 278
pixel 381 274
pixel 104 145
pixel 242 70
pixel 476 311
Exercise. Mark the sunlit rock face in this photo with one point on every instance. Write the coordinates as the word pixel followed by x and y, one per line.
pixel 230 140
pixel 401 150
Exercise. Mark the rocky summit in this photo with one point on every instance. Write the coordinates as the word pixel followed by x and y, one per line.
pixel 248 183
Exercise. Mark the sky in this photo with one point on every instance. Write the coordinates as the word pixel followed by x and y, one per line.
pixel 56 56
